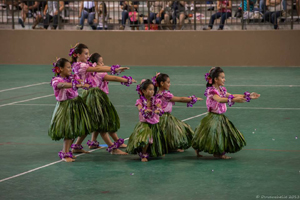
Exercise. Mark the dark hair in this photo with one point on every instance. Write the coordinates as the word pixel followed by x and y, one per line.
pixel 78 49
pixel 160 78
pixel 61 62
pixel 145 85
pixel 214 73
pixel 94 58
pixel 104 9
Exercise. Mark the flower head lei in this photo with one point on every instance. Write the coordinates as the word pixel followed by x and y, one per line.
pixel 208 76
pixel 154 79
pixel 72 51
pixel 56 69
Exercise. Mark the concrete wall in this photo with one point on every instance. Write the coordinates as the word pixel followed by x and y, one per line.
pixel 161 48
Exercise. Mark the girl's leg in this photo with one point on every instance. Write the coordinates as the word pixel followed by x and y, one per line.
pixel 145 159
pixel 109 143
pixel 93 144
pixel 79 142
pixel 223 19
pixel 116 138
pixel 197 153
pixel 66 149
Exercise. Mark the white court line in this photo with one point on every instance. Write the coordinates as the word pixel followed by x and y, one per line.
pixel 25 86
pixel 53 163
pixel 186 84
pixel 12 103
pixel 129 106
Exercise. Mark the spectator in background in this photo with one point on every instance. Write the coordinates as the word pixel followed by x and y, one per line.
pixel 51 13
pixel 274 12
pixel 32 8
pixel 87 11
pixel 125 6
pixel 157 11
pixel 103 15
pixel 224 11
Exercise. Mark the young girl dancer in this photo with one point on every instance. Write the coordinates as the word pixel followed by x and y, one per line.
pixel 70 117
pixel 107 108
pixel 103 112
pixel 179 134
pixel 147 138
pixel 216 134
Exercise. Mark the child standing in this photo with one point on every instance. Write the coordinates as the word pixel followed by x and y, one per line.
pixel 147 138
pixel 179 134
pixel 105 118
pixel 110 115
pixel 70 117
pixel 216 134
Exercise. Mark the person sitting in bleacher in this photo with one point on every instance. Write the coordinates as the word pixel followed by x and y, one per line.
pixel 157 11
pixel 224 11
pixel 87 11
pixel 125 6
pixel 274 12
pixel 51 13
pixel 103 16
pixel 33 8
pixel 248 10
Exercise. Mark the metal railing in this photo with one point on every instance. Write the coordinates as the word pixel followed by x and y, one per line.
pixel 149 15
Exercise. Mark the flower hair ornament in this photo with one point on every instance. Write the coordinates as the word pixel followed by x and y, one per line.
pixel 72 51
pixel 55 68
pixel 138 87
pixel 154 79
pixel 208 77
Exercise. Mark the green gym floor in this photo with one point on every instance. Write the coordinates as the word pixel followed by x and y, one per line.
pixel 268 167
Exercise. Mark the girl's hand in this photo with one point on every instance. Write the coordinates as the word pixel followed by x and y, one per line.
pixel 199 99
pixel 157 112
pixel 148 111
pixel 86 85
pixel 134 81
pixel 122 69
pixel 254 95
pixel 239 99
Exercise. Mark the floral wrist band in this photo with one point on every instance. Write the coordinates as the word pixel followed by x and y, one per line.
pixel 247 96
pixel 192 102
pixel 129 81
pixel 113 69
pixel 230 102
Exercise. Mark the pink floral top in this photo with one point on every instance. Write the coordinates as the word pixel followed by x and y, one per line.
pixel 95 79
pixel 211 104
pixel 154 119
pixel 224 3
pixel 165 98
pixel 62 94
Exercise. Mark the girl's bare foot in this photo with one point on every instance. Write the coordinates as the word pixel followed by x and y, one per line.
pixel 197 153
pixel 180 150
pixel 144 160
pixel 68 159
pixel 224 157
pixel 118 152
pixel 123 146
pixel 79 151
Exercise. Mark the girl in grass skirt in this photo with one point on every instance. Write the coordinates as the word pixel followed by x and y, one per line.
pixel 102 110
pixel 179 134
pixel 216 134
pixel 71 118
pixel 147 138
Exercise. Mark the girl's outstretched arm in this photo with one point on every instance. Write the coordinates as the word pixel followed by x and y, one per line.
pixel 225 100
pixel 117 79
pixel 183 99
pixel 69 85
pixel 99 68
pixel 253 95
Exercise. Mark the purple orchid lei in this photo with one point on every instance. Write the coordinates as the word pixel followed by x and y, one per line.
pixel 113 70
pixel 230 102
pixel 76 146
pixel 247 96
pixel 92 143
pixel 116 145
pixel 192 102
pixel 148 115
pixel 62 155
pixel 222 90
pixel 146 155
pixel 129 81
